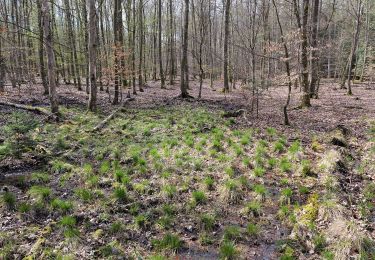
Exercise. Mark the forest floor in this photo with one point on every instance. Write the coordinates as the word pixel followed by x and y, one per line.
pixel 172 178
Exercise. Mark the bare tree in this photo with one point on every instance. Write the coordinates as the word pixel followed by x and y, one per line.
pixel 50 55
pixel 93 42
pixel 117 28
pixel 304 49
pixel 287 65
pixel 352 57
pixel 184 84
pixel 226 39
pixel 42 68
pixel 314 51
pixel 140 65
pixel 162 79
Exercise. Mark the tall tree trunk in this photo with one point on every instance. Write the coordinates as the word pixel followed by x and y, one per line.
pixel 86 39
pixel 314 51
pixel 171 42
pixel 93 42
pixel 72 43
pixel 366 43
pixel 226 39
pixel 41 50
pixel 117 24
pixel 184 84
pixel 287 66
pixel 304 59
pixel 162 79
pixel 140 65
pixel 133 49
pixel 2 72
pixel 352 57
pixel 50 55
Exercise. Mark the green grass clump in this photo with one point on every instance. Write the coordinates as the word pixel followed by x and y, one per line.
pixel 254 207
pixel 246 161
pixel 88 169
pixel 116 227
pixel 231 233
pixel 295 147
pixel 105 167
pixel 285 165
pixel 169 190
pixel 271 132
pixel 259 171
pixel 61 205
pixel 84 194
pixel 141 220
pixel 24 207
pixel 286 194
pixel 208 222
pixel 68 224
pixel 245 139
pixel 232 192
pixel 119 174
pixel 9 200
pixel 260 189
pixel 209 182
pixel 252 229
pixel 120 194
pixel 272 163
pixel 40 177
pixel 168 209
pixel 230 172
pixel 169 241
pixel 228 250
pixel 199 197
pixel 18 131
pixel 279 146
pixel 306 168
pixel 40 192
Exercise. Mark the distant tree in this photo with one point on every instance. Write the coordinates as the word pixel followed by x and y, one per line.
pixel 50 55
pixel 302 25
pixel 352 57
pixel 140 65
pixel 314 52
pixel 226 39
pixel 117 29
pixel 162 79
pixel 42 68
pixel 93 43
pixel 184 82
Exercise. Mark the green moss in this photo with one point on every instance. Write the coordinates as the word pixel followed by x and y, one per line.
pixel 309 212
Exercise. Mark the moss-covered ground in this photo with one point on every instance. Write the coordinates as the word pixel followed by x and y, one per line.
pixel 181 181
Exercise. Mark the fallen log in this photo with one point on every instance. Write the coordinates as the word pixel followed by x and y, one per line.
pixel 236 113
pixel 111 116
pixel 36 110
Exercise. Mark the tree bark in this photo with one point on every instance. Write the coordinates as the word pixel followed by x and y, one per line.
pixel 50 56
pixel 117 24
pixel 314 51
pixel 171 42
pixel 226 39
pixel 287 66
pixel 305 102
pixel 184 84
pixel 140 65
pixel 75 65
pixel 41 51
pixel 354 45
pixel 93 42
pixel 162 79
